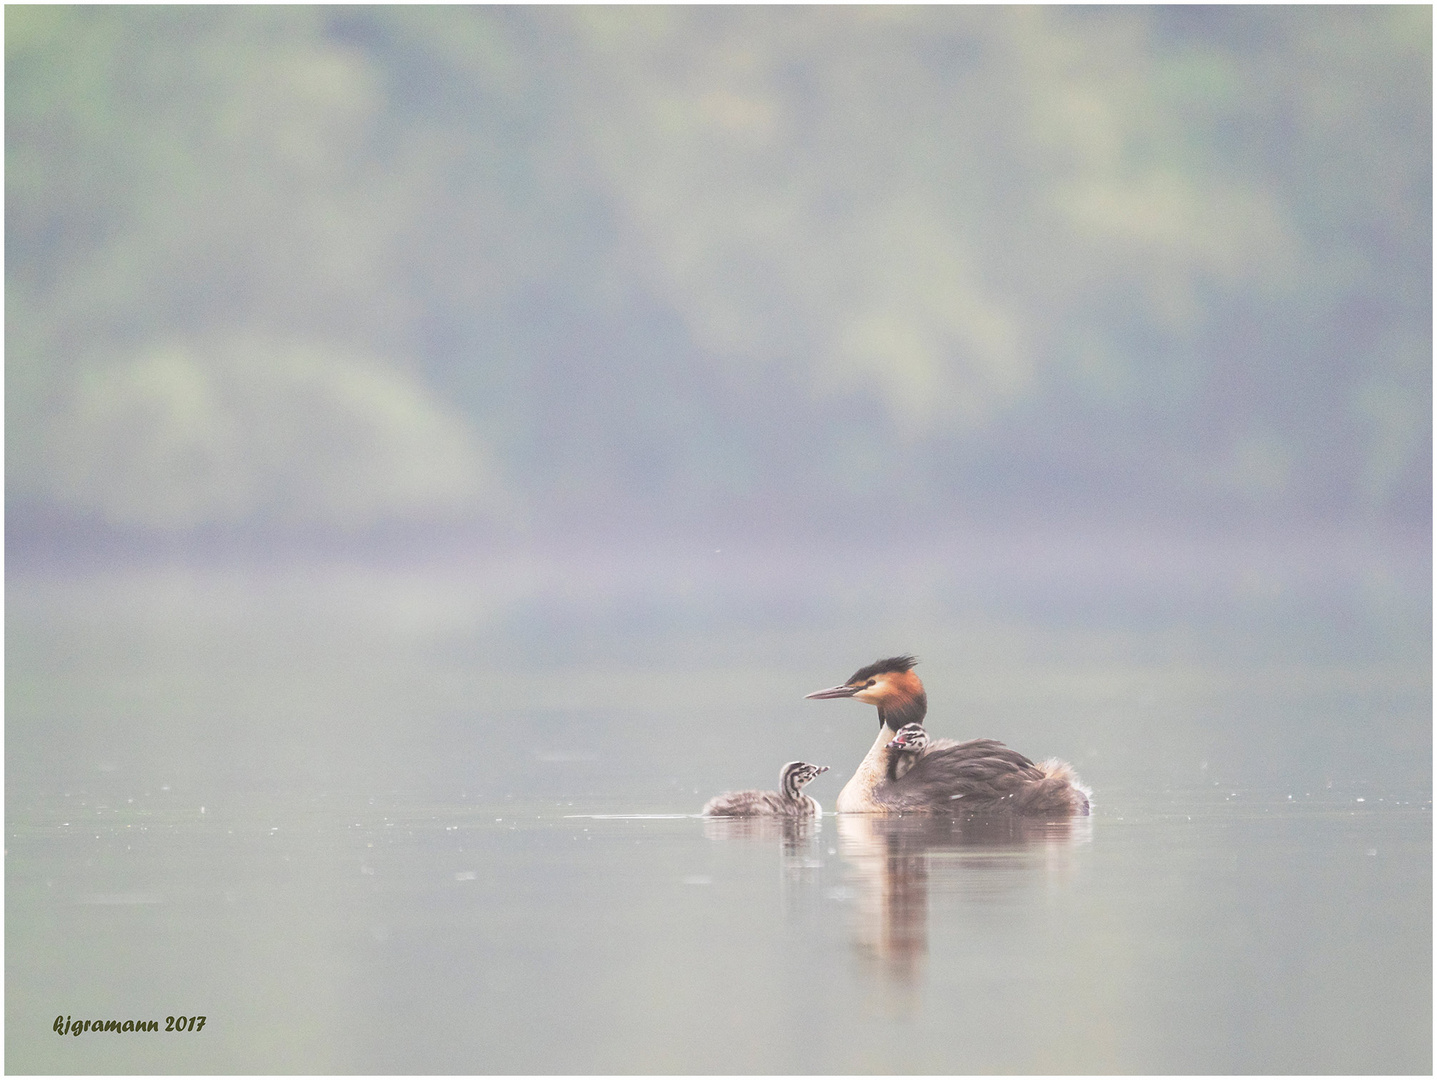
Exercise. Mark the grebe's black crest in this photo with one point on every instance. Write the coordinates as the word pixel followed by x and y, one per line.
pixel 883 667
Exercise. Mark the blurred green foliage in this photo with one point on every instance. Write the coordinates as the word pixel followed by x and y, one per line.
pixel 776 268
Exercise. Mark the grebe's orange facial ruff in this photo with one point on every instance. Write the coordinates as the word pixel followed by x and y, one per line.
pixel 888 684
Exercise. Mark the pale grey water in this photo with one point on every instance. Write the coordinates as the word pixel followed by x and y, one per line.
pixel 403 822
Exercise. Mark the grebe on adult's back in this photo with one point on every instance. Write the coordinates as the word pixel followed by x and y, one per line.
pixel 981 775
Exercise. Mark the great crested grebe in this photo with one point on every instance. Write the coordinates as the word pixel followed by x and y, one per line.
pixel 946 777
pixel 787 801
pixel 903 752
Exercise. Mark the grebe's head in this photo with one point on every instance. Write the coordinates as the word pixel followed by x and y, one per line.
pixel 911 737
pixel 798 773
pixel 889 684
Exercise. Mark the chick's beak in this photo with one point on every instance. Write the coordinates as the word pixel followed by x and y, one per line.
pixel 834 692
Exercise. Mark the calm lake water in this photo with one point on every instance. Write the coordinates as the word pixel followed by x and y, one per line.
pixel 440 822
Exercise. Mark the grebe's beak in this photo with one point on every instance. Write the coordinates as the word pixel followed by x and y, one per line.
pixel 834 692
pixel 822 769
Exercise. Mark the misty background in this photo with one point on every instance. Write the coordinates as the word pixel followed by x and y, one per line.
pixel 321 274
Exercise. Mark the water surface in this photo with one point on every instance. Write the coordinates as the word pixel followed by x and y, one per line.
pixel 1216 934
pixel 383 823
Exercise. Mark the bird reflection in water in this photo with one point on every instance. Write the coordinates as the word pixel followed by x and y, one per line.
pixel 893 862
pixel 802 861
pixel 794 833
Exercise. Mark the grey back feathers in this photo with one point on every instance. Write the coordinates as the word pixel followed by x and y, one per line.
pixel 981 775
pixel 789 800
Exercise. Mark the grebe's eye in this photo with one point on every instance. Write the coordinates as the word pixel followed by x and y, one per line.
pixel 869 683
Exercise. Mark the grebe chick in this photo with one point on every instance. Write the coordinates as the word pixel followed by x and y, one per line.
pixel 905 749
pixel 787 801
pixel 980 775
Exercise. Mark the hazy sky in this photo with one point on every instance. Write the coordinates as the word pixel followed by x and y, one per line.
pixel 323 271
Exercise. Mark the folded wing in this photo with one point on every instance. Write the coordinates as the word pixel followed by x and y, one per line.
pixel 981 775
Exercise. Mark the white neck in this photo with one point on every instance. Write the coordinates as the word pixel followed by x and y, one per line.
pixel 857 795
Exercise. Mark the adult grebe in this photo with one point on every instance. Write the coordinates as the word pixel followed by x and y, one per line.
pixel 788 801
pixel 980 775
